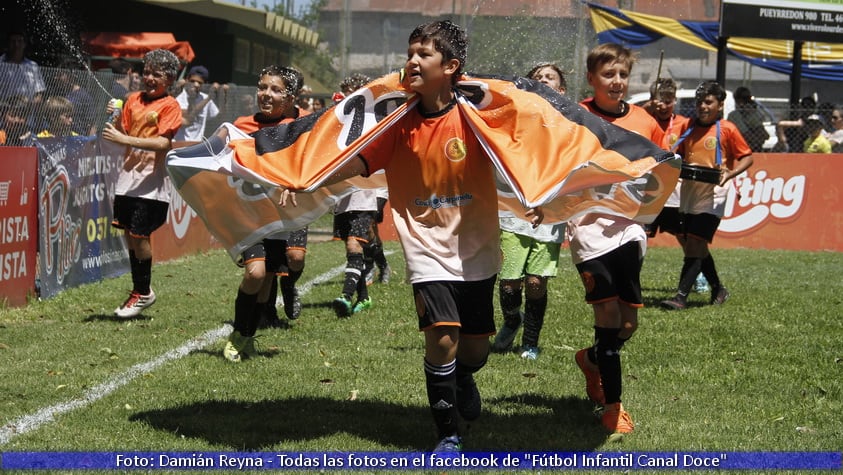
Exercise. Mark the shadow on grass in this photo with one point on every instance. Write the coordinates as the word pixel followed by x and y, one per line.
pixel 256 426
pixel 101 317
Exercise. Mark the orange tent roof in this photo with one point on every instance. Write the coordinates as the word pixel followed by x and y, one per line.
pixel 135 45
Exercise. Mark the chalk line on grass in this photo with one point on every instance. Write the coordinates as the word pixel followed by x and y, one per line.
pixel 31 422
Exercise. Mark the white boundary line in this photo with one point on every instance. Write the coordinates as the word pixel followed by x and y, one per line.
pixel 31 422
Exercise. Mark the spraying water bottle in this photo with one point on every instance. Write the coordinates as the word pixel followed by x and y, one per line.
pixel 117 105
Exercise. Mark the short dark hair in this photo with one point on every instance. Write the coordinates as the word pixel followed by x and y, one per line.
pixel 663 86
pixel 353 83
pixel 743 95
pixel 163 60
pixel 709 88
pixel 448 38
pixel 293 78
pixel 562 83
pixel 120 66
pixel 200 71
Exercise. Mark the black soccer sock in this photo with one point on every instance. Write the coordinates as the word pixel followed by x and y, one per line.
pixel 609 362
pixel 141 273
pixel 534 310
pixel 368 262
pixel 362 288
pixel 441 383
pixel 690 269
pixel 510 299
pixel 464 370
pixel 353 273
pixel 245 315
pixel 378 255
pixel 288 282
pixel 710 272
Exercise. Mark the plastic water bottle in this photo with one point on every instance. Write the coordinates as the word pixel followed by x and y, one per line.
pixel 117 104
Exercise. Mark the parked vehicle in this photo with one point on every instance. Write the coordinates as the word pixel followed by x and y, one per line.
pixel 686 105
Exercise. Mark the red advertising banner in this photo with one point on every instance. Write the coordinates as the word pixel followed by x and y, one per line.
pixel 18 224
pixel 184 232
pixel 784 201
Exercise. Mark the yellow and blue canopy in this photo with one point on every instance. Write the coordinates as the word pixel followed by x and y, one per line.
pixel 820 60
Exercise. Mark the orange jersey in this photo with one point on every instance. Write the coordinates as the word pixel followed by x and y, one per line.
pixel 699 147
pixel 673 128
pixel 442 194
pixel 143 174
pixel 635 119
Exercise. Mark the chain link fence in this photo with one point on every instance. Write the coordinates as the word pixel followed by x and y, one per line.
pixel 38 97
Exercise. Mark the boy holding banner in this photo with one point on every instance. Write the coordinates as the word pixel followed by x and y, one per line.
pixel 277 90
pixel 446 215
pixel 608 251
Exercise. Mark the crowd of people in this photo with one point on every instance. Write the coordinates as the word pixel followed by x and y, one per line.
pixel 456 265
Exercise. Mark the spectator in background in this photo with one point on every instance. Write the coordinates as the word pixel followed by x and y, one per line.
pixel 19 75
pixel 748 119
pixel 836 135
pixel 791 134
pixel 14 128
pixel 197 106
pixel 816 142
pixel 305 102
pixel 318 104
pixel 69 84
pixel 125 78
pixel 59 115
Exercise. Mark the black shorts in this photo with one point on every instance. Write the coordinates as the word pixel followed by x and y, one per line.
pixel 298 239
pixel 355 224
pixel 468 305
pixel 702 225
pixel 381 205
pixel 272 251
pixel 139 216
pixel 614 276
pixel 667 221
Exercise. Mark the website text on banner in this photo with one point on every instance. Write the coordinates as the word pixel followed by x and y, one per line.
pixel 71 190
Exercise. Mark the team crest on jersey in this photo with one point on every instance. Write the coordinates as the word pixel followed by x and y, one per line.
pixel 710 143
pixel 671 139
pixel 455 149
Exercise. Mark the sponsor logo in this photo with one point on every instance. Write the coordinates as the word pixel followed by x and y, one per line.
pixel 436 202
pixel 754 200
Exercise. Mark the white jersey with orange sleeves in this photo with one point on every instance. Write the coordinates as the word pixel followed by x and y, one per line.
pixel 143 174
pixel 595 234
pixel 442 194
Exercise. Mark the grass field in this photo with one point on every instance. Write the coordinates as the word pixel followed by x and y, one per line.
pixel 761 373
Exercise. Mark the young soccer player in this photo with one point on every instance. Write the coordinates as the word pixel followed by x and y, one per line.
pixel 530 258
pixel 354 224
pixel 147 125
pixel 608 250
pixel 276 95
pixel 718 145
pixel 451 245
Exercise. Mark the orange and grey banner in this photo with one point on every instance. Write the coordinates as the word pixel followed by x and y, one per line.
pixel 547 150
